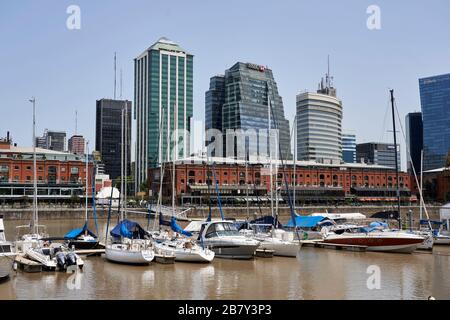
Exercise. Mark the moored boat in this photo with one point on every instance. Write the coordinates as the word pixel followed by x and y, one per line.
pixel 374 239
pixel 7 253
pixel 224 239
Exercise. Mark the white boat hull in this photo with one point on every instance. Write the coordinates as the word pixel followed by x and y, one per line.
pixel 232 249
pixel 186 255
pixel 123 254
pixel 6 264
pixel 280 247
pixel 396 242
pixel 442 240
pixel 407 248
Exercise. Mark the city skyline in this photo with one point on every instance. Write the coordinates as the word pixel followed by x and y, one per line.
pixel 81 80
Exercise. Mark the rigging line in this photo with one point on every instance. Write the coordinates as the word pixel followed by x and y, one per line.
pixel 414 169
pixel 293 214
pixel 386 115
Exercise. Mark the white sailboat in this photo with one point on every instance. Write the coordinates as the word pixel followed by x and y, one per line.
pixel 29 238
pixel 129 245
pixel 184 249
pixel 83 238
pixel 275 239
pixel 7 254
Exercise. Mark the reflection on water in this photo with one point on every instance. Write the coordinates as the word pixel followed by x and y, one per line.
pixel 314 274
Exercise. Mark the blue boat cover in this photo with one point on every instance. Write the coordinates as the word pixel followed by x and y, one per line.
pixel 75 233
pixel 377 224
pixel 128 229
pixel 425 222
pixel 305 222
pixel 176 227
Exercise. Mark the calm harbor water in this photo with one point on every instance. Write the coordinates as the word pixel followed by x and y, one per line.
pixel 314 274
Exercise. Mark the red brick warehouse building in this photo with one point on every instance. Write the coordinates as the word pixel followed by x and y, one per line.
pixel 60 175
pixel 313 182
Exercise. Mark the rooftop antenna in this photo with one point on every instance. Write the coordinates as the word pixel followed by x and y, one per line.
pixel 115 68
pixel 121 84
pixel 76 122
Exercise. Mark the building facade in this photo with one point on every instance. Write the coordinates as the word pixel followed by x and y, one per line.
pixel 60 175
pixel 237 105
pixel 314 182
pixel 319 124
pixel 382 154
pixel 163 88
pixel 414 140
pixel 76 144
pixel 108 134
pixel 52 140
pixel 349 147
pixel 435 102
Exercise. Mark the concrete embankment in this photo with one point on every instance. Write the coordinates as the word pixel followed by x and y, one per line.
pixel 47 213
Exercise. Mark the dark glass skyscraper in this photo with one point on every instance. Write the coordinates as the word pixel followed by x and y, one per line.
pixel 414 139
pixel 108 134
pixel 435 101
pixel 382 154
pixel 240 100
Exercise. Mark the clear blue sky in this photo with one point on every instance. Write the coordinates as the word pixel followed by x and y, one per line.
pixel 70 69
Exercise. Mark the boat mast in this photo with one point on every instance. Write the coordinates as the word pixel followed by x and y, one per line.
pixel 121 163
pixel 126 159
pixel 34 220
pixel 421 184
pixel 86 176
pixel 270 154
pixel 396 159
pixel 295 157
pixel 174 153
pixel 246 183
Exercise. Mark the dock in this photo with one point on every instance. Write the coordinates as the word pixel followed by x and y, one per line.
pixel 333 246
pixel 28 265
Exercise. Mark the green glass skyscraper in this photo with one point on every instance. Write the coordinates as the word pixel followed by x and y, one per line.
pixel 163 89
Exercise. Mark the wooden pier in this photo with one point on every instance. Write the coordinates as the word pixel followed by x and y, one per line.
pixel 333 246
pixel 28 265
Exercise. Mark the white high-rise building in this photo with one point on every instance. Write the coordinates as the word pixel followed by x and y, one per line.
pixel 319 124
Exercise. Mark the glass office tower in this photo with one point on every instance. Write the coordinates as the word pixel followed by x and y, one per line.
pixel 349 147
pixel 163 89
pixel 435 101
pixel 414 140
pixel 108 134
pixel 240 100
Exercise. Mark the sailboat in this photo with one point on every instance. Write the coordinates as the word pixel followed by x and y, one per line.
pixel 276 238
pixel 29 238
pixel 181 246
pixel 83 238
pixel 7 254
pixel 129 241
